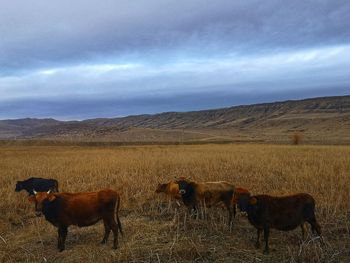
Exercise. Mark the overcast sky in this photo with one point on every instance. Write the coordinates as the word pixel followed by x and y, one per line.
pixel 85 59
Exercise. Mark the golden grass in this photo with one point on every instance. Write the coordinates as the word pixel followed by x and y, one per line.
pixel 154 233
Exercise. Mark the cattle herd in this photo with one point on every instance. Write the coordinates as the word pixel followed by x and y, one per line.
pixel 85 209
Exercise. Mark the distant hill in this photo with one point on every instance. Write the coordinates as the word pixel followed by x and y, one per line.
pixel 320 120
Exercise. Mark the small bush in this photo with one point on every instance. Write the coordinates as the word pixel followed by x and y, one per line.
pixel 296 138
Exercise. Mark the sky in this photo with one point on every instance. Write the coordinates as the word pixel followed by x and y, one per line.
pixel 89 59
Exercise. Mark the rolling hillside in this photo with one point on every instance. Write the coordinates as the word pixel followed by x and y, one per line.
pixel 320 120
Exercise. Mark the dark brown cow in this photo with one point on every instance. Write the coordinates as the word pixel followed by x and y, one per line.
pixel 206 194
pixel 283 213
pixel 81 209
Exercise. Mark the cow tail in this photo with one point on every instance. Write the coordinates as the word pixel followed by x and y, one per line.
pixel 117 216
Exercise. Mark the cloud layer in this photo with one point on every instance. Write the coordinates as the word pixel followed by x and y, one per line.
pixel 86 59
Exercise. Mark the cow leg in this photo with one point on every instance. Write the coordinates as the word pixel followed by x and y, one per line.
pixel 169 204
pixel 195 211
pixel 258 234
pixel 316 227
pixel 229 209
pixel 107 231
pixel 203 210
pixel 62 234
pixel 189 210
pixel 113 225
pixel 309 215
pixel 303 230
pixel 119 224
pixel 59 238
pixel 266 239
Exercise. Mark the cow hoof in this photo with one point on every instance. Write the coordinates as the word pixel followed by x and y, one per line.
pixel 61 249
pixel 257 245
pixel 266 252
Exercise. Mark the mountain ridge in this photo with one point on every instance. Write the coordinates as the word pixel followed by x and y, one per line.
pixel 326 114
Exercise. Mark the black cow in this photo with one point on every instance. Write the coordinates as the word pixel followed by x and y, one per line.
pixel 279 212
pixel 37 184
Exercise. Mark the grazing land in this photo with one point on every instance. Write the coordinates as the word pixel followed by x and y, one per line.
pixel 156 233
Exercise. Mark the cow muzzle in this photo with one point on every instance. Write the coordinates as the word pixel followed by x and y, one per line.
pixel 182 191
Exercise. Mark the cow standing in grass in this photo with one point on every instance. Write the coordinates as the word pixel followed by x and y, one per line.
pixel 37 184
pixel 207 194
pixel 81 209
pixel 283 213
pixel 171 190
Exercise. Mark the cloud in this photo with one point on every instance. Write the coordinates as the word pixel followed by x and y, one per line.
pixel 140 54
pixel 38 33
pixel 291 69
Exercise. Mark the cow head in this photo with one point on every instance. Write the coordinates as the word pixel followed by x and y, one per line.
pixel 238 192
pixel 183 185
pixel 19 186
pixel 161 188
pixel 40 199
pixel 247 203
pixel 244 201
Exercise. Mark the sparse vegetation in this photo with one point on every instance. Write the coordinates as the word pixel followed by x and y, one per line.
pixel 154 233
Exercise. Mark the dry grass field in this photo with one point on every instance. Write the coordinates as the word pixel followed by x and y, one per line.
pixel 156 233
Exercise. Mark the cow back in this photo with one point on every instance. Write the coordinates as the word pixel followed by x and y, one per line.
pixel 283 213
pixel 214 192
pixel 39 185
pixel 83 209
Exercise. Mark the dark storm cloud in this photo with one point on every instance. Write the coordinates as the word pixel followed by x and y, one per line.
pixel 49 33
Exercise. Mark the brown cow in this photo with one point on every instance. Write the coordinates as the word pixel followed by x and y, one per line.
pixel 81 209
pixel 283 213
pixel 171 189
pixel 206 193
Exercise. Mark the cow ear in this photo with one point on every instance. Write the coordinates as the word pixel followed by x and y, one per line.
pixel 31 198
pixel 51 197
pixel 253 201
